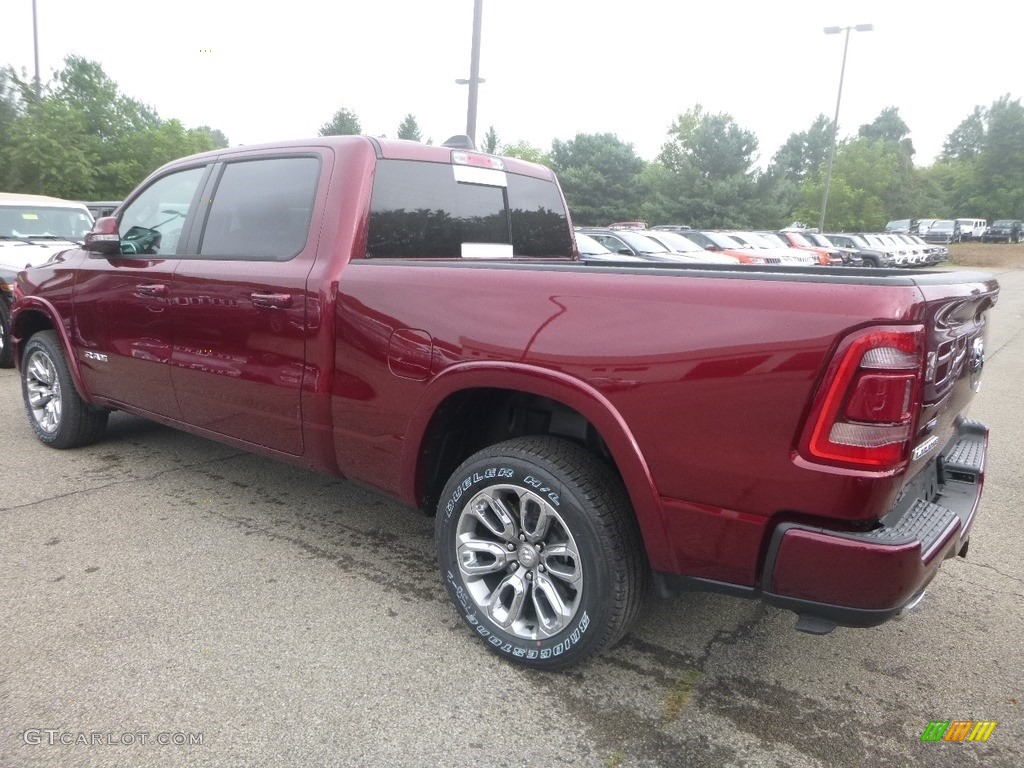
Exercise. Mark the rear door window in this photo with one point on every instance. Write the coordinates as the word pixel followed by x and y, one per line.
pixel 431 210
pixel 261 209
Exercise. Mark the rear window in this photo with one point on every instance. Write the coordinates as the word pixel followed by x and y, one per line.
pixel 429 210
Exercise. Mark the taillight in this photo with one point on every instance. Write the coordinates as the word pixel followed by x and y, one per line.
pixel 863 416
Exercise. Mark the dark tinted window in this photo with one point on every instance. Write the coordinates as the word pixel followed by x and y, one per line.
pixel 421 210
pixel 539 224
pixel 261 209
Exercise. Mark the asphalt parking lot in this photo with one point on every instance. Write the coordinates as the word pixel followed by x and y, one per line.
pixel 171 601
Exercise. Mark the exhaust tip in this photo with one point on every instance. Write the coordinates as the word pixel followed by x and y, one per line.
pixel 911 605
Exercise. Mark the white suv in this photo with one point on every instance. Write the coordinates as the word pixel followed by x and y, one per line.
pixel 971 229
pixel 32 229
pixel 35 227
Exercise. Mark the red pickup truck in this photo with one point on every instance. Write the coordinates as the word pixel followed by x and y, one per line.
pixel 416 318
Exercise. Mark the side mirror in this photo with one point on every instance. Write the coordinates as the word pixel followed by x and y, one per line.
pixel 624 252
pixel 103 238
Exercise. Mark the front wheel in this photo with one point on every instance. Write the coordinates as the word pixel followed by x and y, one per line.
pixel 56 412
pixel 6 348
pixel 540 551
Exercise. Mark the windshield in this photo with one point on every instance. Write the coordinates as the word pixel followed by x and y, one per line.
pixel 675 242
pixel 588 245
pixel 858 241
pixel 39 221
pixel 724 241
pixel 775 240
pixel 943 225
pixel 821 240
pixel 641 243
pixel 1003 223
pixel 799 239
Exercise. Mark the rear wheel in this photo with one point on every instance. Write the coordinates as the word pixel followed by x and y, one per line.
pixel 540 551
pixel 58 415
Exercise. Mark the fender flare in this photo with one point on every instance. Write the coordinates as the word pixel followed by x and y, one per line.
pixel 42 306
pixel 565 389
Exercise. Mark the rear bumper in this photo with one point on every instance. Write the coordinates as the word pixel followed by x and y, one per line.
pixel 862 579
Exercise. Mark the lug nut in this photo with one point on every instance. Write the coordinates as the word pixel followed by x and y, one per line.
pixel 511 547
pixel 529 576
pixel 522 537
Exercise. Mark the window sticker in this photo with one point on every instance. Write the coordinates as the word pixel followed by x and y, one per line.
pixel 486 251
pixel 489 177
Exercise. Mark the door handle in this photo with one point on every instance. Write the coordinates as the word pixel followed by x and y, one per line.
pixel 273 300
pixel 153 289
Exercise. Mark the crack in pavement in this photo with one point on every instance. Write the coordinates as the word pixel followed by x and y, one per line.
pixel 126 481
pixel 986 566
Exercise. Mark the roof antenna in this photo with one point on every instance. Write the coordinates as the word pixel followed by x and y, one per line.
pixel 460 141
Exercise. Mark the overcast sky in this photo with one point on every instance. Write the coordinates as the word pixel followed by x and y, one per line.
pixel 554 68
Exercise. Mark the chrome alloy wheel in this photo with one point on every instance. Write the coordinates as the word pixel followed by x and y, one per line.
pixel 520 562
pixel 44 395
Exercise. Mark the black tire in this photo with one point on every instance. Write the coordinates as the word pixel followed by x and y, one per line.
pixel 56 412
pixel 871 261
pixel 576 575
pixel 6 349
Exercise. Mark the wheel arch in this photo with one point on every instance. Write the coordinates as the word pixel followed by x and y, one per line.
pixel 471 406
pixel 32 315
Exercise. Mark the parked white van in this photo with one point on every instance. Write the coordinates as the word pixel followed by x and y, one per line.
pixel 971 229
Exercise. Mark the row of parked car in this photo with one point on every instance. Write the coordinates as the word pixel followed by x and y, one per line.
pixel 634 241
pixel 947 231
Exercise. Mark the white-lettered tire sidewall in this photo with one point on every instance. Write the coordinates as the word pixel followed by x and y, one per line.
pixel 584 633
pixel 37 342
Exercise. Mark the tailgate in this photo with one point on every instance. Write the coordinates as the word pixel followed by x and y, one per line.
pixel 956 317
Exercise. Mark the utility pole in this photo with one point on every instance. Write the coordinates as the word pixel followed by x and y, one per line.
pixel 474 72
pixel 35 44
pixel 835 120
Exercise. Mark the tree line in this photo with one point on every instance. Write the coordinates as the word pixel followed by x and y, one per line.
pixel 80 138
pixel 707 175
pixel 83 139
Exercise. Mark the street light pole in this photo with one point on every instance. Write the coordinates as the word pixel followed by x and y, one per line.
pixel 835 120
pixel 35 44
pixel 474 72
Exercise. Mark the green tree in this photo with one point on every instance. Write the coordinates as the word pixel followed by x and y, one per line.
pixel 84 138
pixel 712 177
pixel 803 156
pixel 967 139
pixel 863 177
pixel 805 153
pixel 344 123
pixel 491 141
pixel 49 152
pixel 409 129
pixel 10 110
pixel 599 176
pixel 1001 166
pixel 217 138
pixel 892 134
pixel 526 151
